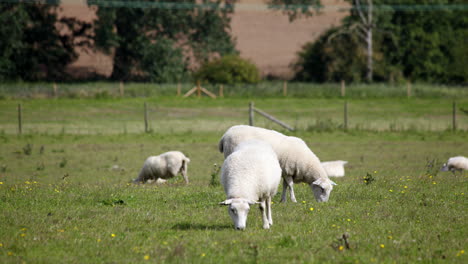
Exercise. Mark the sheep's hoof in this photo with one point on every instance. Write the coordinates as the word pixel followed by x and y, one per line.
pixel 266 226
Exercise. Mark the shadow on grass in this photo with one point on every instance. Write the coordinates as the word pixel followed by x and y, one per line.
pixel 195 226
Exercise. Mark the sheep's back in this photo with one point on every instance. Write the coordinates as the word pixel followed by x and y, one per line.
pixel 252 172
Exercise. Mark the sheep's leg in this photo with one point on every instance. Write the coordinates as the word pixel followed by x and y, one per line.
pixel 184 173
pixel 285 189
pixel 268 207
pixel 288 183
pixel 266 224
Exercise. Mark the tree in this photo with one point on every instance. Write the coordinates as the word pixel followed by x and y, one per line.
pixel 32 46
pixel 159 41
pixel 420 40
pixel 429 40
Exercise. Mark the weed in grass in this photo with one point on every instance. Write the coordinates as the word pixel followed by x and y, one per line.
pixel 112 202
pixel 40 166
pixel 368 179
pixel 431 168
pixel 58 151
pixel 215 175
pixel 341 243
pixel 326 125
pixel 27 150
pixel 3 168
pixel 41 150
pixel 63 163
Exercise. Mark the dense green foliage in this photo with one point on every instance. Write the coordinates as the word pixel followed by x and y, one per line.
pixel 155 43
pixel 230 69
pixel 35 43
pixel 412 40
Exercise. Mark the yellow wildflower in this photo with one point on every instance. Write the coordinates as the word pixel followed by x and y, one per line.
pixel 382 245
pixel 203 254
pixel 112 235
pixel 341 248
pixel 311 208
pixel 146 257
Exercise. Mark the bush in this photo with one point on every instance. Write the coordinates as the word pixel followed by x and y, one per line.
pixel 229 69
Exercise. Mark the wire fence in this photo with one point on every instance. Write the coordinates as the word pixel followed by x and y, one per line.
pixel 152 116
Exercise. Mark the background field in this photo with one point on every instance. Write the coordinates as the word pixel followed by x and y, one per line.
pixel 65 194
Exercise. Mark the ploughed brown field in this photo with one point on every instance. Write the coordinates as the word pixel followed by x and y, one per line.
pixel 264 36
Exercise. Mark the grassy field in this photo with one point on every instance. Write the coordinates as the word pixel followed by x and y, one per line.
pixel 65 194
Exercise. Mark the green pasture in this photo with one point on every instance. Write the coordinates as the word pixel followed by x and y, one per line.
pixel 67 199
pixel 66 196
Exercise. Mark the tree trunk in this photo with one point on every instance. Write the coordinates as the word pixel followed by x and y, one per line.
pixel 370 61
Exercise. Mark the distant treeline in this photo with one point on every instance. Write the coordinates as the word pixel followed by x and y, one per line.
pixel 161 42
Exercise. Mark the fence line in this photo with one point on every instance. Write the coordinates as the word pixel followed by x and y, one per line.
pixel 453 125
pixel 252 109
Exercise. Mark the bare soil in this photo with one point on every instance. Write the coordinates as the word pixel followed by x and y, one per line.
pixel 264 36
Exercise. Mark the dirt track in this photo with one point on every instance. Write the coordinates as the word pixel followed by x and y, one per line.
pixel 264 36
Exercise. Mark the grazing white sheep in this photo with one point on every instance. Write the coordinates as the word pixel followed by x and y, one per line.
pixel 458 163
pixel 164 166
pixel 250 175
pixel 334 168
pixel 298 162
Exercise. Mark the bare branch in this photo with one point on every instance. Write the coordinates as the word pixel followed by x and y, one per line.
pixel 361 14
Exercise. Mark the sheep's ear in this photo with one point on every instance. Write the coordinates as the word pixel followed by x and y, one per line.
pixel 227 202
pixel 319 182
pixel 333 183
pixel 252 202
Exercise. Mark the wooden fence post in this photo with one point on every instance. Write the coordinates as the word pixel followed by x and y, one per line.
pixel 20 125
pixel 408 89
pixel 121 89
pixel 343 88
pixel 285 88
pixel 221 92
pixel 251 113
pixel 146 118
pixel 454 116
pixel 345 125
pixel 55 90
pixel 198 89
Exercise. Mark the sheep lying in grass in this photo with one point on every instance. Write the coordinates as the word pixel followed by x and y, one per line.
pixel 298 162
pixel 164 166
pixel 334 168
pixel 454 164
pixel 250 175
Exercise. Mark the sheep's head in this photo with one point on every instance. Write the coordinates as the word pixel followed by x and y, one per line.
pixel 322 189
pixel 238 209
pixel 445 167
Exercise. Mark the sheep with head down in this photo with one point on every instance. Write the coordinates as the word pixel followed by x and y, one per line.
pixel 297 161
pixel 453 164
pixel 163 167
pixel 250 175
